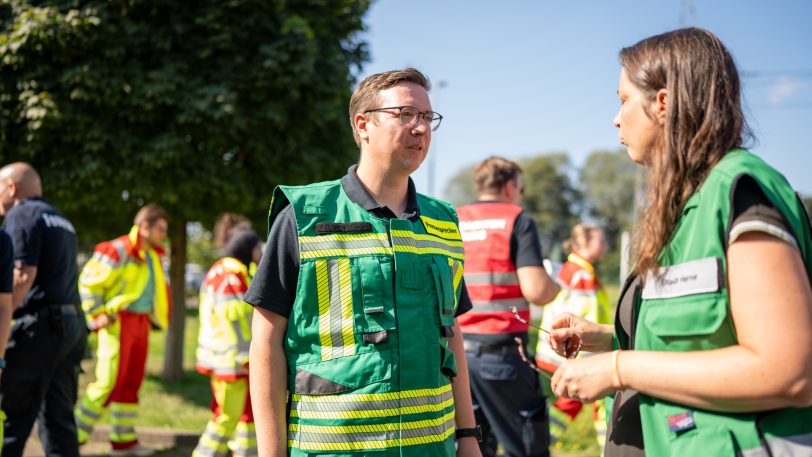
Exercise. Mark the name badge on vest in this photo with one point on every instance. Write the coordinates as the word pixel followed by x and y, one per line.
pixel 689 278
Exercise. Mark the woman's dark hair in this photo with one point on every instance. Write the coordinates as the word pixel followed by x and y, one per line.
pixel 703 122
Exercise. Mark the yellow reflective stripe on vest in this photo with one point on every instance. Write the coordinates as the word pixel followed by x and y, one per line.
pixel 406 241
pixel 456 274
pixel 377 436
pixel 334 285
pixel 343 245
pixel 354 406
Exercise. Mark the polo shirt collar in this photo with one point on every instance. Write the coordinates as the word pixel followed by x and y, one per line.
pixel 358 193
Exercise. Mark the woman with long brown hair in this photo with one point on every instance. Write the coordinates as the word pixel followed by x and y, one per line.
pixel 711 352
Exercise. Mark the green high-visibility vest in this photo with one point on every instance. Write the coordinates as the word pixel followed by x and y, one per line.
pixel 687 308
pixel 367 349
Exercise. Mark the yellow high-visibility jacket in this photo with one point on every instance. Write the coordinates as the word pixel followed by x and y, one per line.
pixel 117 275
pixel 225 321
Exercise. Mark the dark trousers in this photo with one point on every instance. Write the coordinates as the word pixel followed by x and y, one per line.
pixel 508 403
pixel 40 380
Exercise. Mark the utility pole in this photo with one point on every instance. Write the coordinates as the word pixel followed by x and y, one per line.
pixel 442 84
pixel 687 14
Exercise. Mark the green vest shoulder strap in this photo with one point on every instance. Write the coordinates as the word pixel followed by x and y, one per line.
pixel 310 200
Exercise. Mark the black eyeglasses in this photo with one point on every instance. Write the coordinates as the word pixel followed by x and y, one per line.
pixel 409 115
pixel 572 345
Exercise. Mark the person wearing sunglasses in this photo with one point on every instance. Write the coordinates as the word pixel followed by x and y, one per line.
pixel 711 352
pixel 503 270
pixel 356 299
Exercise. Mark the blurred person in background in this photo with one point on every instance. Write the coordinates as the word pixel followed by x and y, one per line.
pixel 582 294
pixel 225 338
pixel 504 268
pixel 124 295
pixel 48 338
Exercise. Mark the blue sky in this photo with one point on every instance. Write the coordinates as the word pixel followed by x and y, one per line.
pixel 527 77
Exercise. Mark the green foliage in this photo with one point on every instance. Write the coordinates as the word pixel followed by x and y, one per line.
pixel 461 190
pixel 201 247
pixel 609 181
pixel 551 198
pixel 201 107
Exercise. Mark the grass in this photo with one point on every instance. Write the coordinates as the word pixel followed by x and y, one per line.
pixel 181 405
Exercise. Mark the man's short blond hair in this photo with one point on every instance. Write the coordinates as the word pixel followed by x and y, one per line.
pixel 365 95
pixel 493 174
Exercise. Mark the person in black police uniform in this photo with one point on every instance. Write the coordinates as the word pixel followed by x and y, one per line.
pixel 6 286
pixel 48 337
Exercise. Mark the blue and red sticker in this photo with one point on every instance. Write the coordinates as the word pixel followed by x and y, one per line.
pixel 681 422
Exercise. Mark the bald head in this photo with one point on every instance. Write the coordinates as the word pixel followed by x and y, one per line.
pixel 18 181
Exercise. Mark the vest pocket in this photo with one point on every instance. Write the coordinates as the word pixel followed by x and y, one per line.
pixel 677 322
pixel 373 297
pixel 704 441
pixel 343 374
pixel 448 364
pixel 447 274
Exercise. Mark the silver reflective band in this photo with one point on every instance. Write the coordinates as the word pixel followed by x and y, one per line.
pixel 496 306
pixel 500 279
pixel 795 446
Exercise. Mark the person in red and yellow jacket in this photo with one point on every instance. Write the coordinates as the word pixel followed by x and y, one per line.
pixel 582 294
pixel 503 268
pixel 124 294
pixel 222 348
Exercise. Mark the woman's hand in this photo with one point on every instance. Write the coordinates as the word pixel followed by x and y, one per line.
pixel 585 380
pixel 594 337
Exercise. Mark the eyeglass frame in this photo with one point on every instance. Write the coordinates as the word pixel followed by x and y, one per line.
pixel 420 114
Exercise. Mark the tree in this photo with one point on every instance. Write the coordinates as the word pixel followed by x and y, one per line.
pixel 201 107
pixel 609 182
pixel 461 190
pixel 549 196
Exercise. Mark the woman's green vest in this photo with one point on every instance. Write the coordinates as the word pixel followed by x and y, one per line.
pixel 368 358
pixel 686 308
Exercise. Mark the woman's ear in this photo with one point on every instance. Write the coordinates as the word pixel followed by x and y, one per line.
pixel 661 105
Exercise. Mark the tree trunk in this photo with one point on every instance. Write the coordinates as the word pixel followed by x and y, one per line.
pixel 173 356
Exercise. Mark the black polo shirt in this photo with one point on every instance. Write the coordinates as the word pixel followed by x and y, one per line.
pixel 44 238
pixel 6 264
pixel 274 285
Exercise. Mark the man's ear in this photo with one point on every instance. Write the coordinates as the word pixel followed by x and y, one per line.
pixel 361 124
pixel 661 105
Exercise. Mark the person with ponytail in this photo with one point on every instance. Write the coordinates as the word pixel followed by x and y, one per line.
pixel 711 351
pixel 583 295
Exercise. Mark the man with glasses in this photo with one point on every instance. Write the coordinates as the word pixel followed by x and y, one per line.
pixel 503 269
pixel 124 294
pixel 48 337
pixel 356 299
